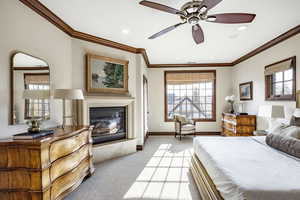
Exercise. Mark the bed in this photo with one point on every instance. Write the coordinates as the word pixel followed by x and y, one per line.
pixel 244 168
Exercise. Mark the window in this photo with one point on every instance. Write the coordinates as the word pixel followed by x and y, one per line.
pixel 281 80
pixel 37 107
pixel 190 93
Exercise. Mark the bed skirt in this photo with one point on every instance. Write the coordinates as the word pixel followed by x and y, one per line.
pixel 205 185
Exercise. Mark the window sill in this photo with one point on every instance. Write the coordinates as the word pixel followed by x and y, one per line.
pixel 196 120
pixel 293 98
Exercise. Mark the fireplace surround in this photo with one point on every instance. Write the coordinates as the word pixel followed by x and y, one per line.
pixel 107 150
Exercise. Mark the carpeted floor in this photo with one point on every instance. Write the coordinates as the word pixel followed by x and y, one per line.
pixel 160 171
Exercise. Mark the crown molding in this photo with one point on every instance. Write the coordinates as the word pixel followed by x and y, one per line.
pixel 191 65
pixel 43 11
pixel 102 41
pixel 145 56
pixel 46 13
pixel 290 33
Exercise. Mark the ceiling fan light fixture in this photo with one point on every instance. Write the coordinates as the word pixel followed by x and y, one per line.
pixel 203 9
pixel 211 18
pixel 193 20
pixel 190 10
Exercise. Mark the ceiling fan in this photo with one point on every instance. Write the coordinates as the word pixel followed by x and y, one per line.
pixel 195 11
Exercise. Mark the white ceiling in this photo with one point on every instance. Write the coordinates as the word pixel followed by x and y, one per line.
pixel 223 42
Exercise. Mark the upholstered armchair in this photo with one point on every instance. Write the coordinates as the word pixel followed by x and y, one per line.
pixel 184 126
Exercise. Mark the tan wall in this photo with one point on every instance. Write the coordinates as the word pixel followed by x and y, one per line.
pixel 156 91
pixel 253 70
pixel 136 68
pixel 24 30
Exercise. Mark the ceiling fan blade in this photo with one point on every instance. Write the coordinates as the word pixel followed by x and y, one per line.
pixel 198 34
pixel 211 3
pixel 165 30
pixel 160 7
pixel 231 18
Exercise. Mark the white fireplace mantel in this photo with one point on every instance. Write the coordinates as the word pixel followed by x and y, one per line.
pixel 110 101
pixel 108 151
pixel 119 100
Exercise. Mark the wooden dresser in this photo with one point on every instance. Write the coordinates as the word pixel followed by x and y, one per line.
pixel 47 168
pixel 238 125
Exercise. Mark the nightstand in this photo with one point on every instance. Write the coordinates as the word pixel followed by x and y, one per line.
pixel 238 125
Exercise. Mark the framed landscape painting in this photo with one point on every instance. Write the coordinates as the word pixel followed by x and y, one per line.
pixel 106 75
pixel 246 91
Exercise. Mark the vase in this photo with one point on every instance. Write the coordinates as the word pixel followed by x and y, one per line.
pixel 232 108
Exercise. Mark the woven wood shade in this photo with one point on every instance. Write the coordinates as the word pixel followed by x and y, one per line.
pixel 36 79
pixel 188 77
pixel 278 67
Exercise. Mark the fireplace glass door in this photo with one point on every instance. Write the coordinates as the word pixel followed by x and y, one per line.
pixel 109 124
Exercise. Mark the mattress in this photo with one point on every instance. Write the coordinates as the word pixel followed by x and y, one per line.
pixel 247 168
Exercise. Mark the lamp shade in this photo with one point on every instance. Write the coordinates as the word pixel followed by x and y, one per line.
pixel 72 94
pixel 271 111
pixel 36 94
pixel 297 113
pixel 298 99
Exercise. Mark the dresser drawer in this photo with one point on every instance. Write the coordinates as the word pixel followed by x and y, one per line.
pixel 229 118
pixel 69 180
pixel 65 164
pixel 14 195
pixel 229 126
pixel 246 121
pixel 227 132
pixel 245 130
pixel 24 179
pixel 64 147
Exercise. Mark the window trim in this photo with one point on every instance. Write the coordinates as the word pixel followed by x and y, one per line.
pixel 213 119
pixel 269 83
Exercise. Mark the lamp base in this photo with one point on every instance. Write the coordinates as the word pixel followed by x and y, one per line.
pixel 34 126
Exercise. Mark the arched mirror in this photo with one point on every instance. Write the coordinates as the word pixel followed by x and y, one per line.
pixel 30 88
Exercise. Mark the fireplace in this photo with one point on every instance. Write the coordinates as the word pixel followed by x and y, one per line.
pixel 109 124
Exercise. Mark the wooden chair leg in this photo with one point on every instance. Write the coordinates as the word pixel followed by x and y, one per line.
pixel 175 134
pixel 180 136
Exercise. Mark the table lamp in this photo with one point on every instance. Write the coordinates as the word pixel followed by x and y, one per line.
pixel 271 112
pixel 34 124
pixel 68 94
pixel 297 113
pixel 298 99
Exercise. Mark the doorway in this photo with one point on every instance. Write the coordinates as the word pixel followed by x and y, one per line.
pixel 145 107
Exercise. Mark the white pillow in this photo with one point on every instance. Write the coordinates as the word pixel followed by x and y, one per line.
pixel 276 126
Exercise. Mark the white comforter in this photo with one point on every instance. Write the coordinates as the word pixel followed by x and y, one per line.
pixel 247 168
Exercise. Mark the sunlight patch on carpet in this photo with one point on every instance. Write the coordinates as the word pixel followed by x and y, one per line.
pixel 165 176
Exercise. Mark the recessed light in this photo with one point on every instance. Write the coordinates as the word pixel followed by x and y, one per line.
pixel 242 28
pixel 125 31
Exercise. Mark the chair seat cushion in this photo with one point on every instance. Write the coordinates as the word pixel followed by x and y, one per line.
pixel 188 129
